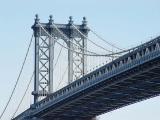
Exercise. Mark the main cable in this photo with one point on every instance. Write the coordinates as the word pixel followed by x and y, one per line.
pixel 111 54
pixel 91 40
pixel 19 75
pixel 105 55
pixel 23 96
pixel 70 40
pixel 95 54
pixel 105 40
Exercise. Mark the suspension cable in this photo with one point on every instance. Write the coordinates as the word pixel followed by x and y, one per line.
pixel 105 40
pixel 28 85
pixel 57 58
pixel 72 49
pixel 70 40
pixel 19 75
pixel 97 55
pixel 113 53
pixel 62 78
pixel 91 40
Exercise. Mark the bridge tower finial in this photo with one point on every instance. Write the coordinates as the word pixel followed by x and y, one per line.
pixel 84 22
pixel 37 19
pixel 51 19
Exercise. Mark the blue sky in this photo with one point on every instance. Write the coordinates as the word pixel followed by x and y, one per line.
pixel 125 23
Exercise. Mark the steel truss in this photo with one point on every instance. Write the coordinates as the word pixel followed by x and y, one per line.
pixel 44 53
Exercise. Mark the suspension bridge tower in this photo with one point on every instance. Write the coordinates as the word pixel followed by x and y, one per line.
pixel 46 36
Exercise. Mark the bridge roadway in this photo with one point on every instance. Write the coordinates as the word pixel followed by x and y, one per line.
pixel 130 78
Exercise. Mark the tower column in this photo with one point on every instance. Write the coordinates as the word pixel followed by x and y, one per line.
pixel 84 45
pixel 36 66
pixel 70 52
pixel 51 55
pixel 70 62
pixel 44 55
pixel 77 58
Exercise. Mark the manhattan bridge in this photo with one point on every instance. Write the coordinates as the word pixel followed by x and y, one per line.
pixel 126 76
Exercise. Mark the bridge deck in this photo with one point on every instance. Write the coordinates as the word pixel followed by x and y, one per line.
pixel 129 79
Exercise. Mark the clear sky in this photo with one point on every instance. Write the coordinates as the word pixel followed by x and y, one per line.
pixel 125 23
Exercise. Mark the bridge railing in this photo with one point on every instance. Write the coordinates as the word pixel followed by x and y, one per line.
pixel 139 55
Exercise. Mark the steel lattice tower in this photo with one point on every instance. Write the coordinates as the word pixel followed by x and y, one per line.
pixel 44 53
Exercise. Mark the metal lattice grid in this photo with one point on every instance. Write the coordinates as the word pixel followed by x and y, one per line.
pixel 79 69
pixel 46 35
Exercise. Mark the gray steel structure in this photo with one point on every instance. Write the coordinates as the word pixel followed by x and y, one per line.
pixel 130 78
pixel 44 53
